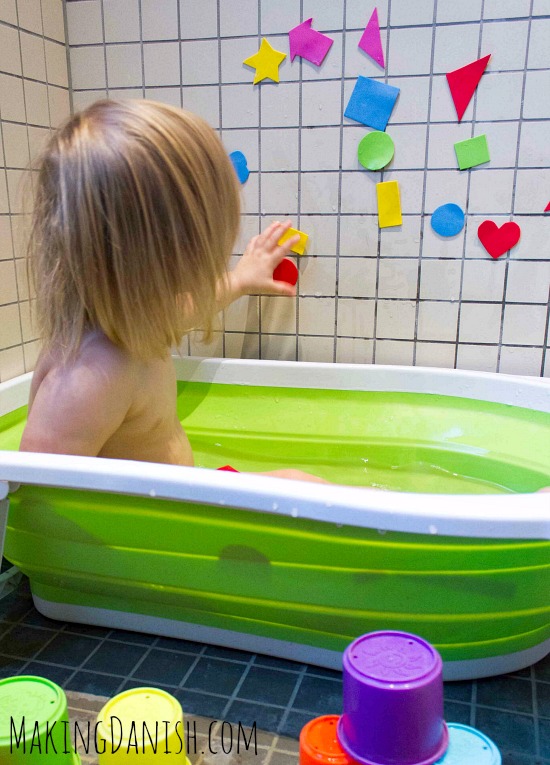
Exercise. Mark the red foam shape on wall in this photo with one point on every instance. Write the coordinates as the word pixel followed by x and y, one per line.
pixel 464 81
pixel 286 271
pixel 497 240
pixel 547 208
pixel 229 469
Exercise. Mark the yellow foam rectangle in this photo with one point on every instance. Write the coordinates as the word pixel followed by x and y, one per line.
pixel 389 204
pixel 300 246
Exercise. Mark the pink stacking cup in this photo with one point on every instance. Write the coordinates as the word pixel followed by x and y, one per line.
pixel 392 701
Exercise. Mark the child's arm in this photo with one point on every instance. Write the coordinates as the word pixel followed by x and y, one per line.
pixel 254 272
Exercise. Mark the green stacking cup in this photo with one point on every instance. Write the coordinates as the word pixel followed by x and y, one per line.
pixel 34 723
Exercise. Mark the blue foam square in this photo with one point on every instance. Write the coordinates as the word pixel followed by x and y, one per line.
pixel 371 103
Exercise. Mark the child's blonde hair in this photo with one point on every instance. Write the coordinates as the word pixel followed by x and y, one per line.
pixel 136 212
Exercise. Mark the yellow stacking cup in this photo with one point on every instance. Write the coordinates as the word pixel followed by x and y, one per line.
pixel 141 725
pixel 34 723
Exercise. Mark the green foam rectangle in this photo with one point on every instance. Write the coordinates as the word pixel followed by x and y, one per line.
pixel 472 152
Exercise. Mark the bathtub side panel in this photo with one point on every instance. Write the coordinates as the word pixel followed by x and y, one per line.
pixel 296 580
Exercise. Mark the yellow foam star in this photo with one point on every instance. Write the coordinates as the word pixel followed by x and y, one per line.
pixel 266 62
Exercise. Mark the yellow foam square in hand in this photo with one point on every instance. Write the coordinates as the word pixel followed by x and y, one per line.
pixel 300 246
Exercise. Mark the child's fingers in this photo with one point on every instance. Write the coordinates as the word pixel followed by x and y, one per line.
pixel 282 288
pixel 268 233
pixel 274 236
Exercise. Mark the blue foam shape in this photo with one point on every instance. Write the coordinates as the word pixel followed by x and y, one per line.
pixel 448 220
pixel 468 746
pixel 240 165
pixel 371 103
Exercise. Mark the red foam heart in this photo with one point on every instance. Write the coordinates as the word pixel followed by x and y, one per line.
pixel 286 271
pixel 497 240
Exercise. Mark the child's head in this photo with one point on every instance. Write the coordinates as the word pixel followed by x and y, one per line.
pixel 135 216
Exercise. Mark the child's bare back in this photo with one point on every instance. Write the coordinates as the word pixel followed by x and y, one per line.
pixel 107 404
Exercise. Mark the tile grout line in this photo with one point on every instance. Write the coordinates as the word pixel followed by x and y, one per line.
pixel 180 41
pixel 8 195
pixel 546 339
pixel 48 85
pixel 473 701
pixel 234 695
pixel 334 30
pixel 299 179
pixel 339 209
pixel 104 45
pixel 259 216
pixel 514 182
pixel 334 214
pixel 467 205
pixel 322 80
pixel 293 695
pixel 535 711
pixel 379 230
pixel 424 185
pixel 141 50
pixel 180 58
pixel 68 58
pixel 220 130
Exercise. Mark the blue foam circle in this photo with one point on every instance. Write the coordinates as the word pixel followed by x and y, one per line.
pixel 468 746
pixel 448 220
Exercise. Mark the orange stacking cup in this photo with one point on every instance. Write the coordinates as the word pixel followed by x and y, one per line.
pixel 319 743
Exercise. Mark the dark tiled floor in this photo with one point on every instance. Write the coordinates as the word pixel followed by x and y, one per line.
pixel 280 696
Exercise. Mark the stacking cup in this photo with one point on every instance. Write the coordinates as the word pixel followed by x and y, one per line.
pixel 319 743
pixel 34 724
pixel 392 701
pixel 141 725
pixel 468 746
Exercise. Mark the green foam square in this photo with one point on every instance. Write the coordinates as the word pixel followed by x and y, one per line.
pixel 472 152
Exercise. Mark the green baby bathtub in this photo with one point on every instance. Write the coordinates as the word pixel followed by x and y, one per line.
pixel 435 530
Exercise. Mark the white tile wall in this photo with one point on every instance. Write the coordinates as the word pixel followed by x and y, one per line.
pixel 34 97
pixel 84 22
pixel 397 295
pixel 159 26
pixel 465 10
pixel 161 63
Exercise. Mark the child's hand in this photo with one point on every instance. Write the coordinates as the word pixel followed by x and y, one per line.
pixel 254 271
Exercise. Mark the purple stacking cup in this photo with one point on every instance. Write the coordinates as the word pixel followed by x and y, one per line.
pixel 393 701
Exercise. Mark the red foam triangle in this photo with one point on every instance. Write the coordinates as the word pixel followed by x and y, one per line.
pixel 547 208
pixel 464 81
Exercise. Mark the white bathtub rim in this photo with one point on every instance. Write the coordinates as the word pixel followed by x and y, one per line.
pixel 525 392
pixel 502 516
pixel 481 386
pixel 14 393
pixel 468 669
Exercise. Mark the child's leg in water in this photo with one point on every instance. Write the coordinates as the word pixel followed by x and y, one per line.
pixel 299 475
pixel 296 475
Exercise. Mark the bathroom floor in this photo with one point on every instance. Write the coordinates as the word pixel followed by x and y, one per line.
pixel 94 663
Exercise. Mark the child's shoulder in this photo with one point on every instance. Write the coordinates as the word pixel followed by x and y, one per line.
pixel 98 359
pixel 75 406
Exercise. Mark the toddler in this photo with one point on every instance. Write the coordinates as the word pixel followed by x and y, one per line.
pixel 135 217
